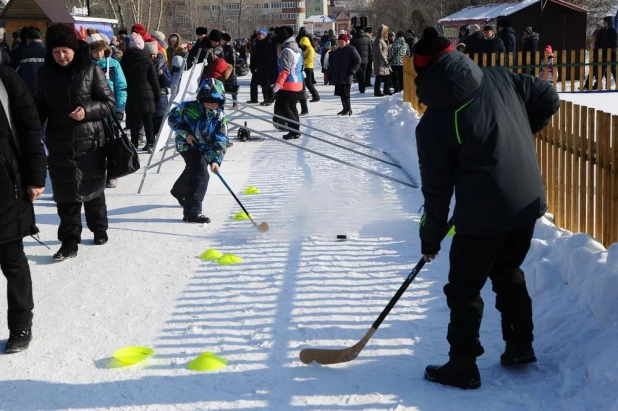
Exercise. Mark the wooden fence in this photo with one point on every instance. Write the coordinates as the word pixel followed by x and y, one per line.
pixel 578 156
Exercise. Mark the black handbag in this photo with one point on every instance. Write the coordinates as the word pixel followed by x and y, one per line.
pixel 122 157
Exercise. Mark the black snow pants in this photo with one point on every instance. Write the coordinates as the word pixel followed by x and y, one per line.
pixel 19 285
pixel 71 218
pixel 473 259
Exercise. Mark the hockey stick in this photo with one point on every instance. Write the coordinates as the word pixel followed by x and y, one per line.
pixel 262 227
pixel 326 356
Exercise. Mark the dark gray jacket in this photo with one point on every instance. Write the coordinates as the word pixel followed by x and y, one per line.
pixel 476 139
pixel 364 45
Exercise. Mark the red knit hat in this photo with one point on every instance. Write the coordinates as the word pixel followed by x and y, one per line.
pixel 139 29
pixel 343 37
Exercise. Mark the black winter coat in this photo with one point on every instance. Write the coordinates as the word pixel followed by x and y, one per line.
pixel 19 171
pixel 493 46
pixel 76 161
pixel 364 45
pixel 229 55
pixel 476 139
pixel 143 88
pixel 343 63
pixel 474 43
pixel 607 39
pixel 507 35
pixel 32 59
pixel 531 43
pixel 264 61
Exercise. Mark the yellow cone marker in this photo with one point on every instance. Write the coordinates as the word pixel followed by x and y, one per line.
pixel 242 216
pixel 252 190
pixel 210 254
pixel 207 362
pixel 228 259
pixel 133 355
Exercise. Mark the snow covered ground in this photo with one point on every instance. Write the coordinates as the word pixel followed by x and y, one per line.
pixel 298 287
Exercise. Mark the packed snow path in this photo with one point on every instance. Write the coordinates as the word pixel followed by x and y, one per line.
pixel 297 287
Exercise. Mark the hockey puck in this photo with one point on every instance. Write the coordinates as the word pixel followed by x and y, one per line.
pixel 341 237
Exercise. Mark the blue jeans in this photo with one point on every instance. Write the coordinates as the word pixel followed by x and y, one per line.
pixel 193 182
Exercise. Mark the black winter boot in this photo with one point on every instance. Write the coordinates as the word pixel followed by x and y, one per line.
pixel 517 354
pixel 18 341
pixel 349 105
pixel 100 237
pixel 200 218
pixel 459 372
pixel 67 250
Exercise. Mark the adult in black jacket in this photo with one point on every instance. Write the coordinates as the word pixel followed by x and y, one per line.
pixel 343 63
pixel 143 90
pixel 507 35
pixel 205 49
pixel 73 98
pixel 22 180
pixel 364 47
pixel 229 55
pixel 18 48
pixel 531 44
pixel 475 139
pixel 264 64
pixel 32 58
pixel 491 46
pixel 474 41
pixel 607 41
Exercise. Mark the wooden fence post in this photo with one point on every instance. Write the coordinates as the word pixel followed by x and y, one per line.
pixel 576 168
pixel 614 180
pixel 569 203
pixel 591 156
pixel 583 144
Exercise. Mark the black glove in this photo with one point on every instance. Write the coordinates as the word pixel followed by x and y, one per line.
pixel 120 115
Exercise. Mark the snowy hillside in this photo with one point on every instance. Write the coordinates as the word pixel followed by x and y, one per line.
pixel 298 287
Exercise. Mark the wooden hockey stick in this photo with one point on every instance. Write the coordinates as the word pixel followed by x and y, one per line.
pixel 326 356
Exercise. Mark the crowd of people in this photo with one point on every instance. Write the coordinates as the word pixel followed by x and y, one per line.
pixel 466 145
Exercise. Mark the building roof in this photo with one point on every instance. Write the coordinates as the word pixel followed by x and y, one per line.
pixel 53 9
pixel 319 19
pixel 492 11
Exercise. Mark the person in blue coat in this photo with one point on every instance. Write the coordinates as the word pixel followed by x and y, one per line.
pixel 114 75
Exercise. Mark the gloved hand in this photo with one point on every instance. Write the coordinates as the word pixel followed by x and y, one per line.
pixel 120 115
pixel 277 87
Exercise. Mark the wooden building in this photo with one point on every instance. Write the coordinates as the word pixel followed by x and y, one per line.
pixel 37 13
pixel 559 24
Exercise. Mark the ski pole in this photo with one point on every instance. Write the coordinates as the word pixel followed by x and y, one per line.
pixel 262 227
pixel 413 185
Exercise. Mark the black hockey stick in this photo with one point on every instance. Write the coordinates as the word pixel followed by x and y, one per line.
pixel 326 356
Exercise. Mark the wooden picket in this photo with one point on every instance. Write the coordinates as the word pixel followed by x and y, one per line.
pixel 577 151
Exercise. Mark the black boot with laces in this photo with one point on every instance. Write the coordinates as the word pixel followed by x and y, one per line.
pixel 67 250
pixel 459 372
pixel 19 340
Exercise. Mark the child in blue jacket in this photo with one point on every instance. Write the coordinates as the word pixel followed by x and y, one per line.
pixel 201 140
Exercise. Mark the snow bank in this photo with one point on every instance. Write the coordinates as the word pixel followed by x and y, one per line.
pixel 572 278
pixel 401 120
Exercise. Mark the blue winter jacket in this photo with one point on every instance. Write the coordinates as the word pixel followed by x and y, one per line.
pixel 116 80
pixel 208 127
